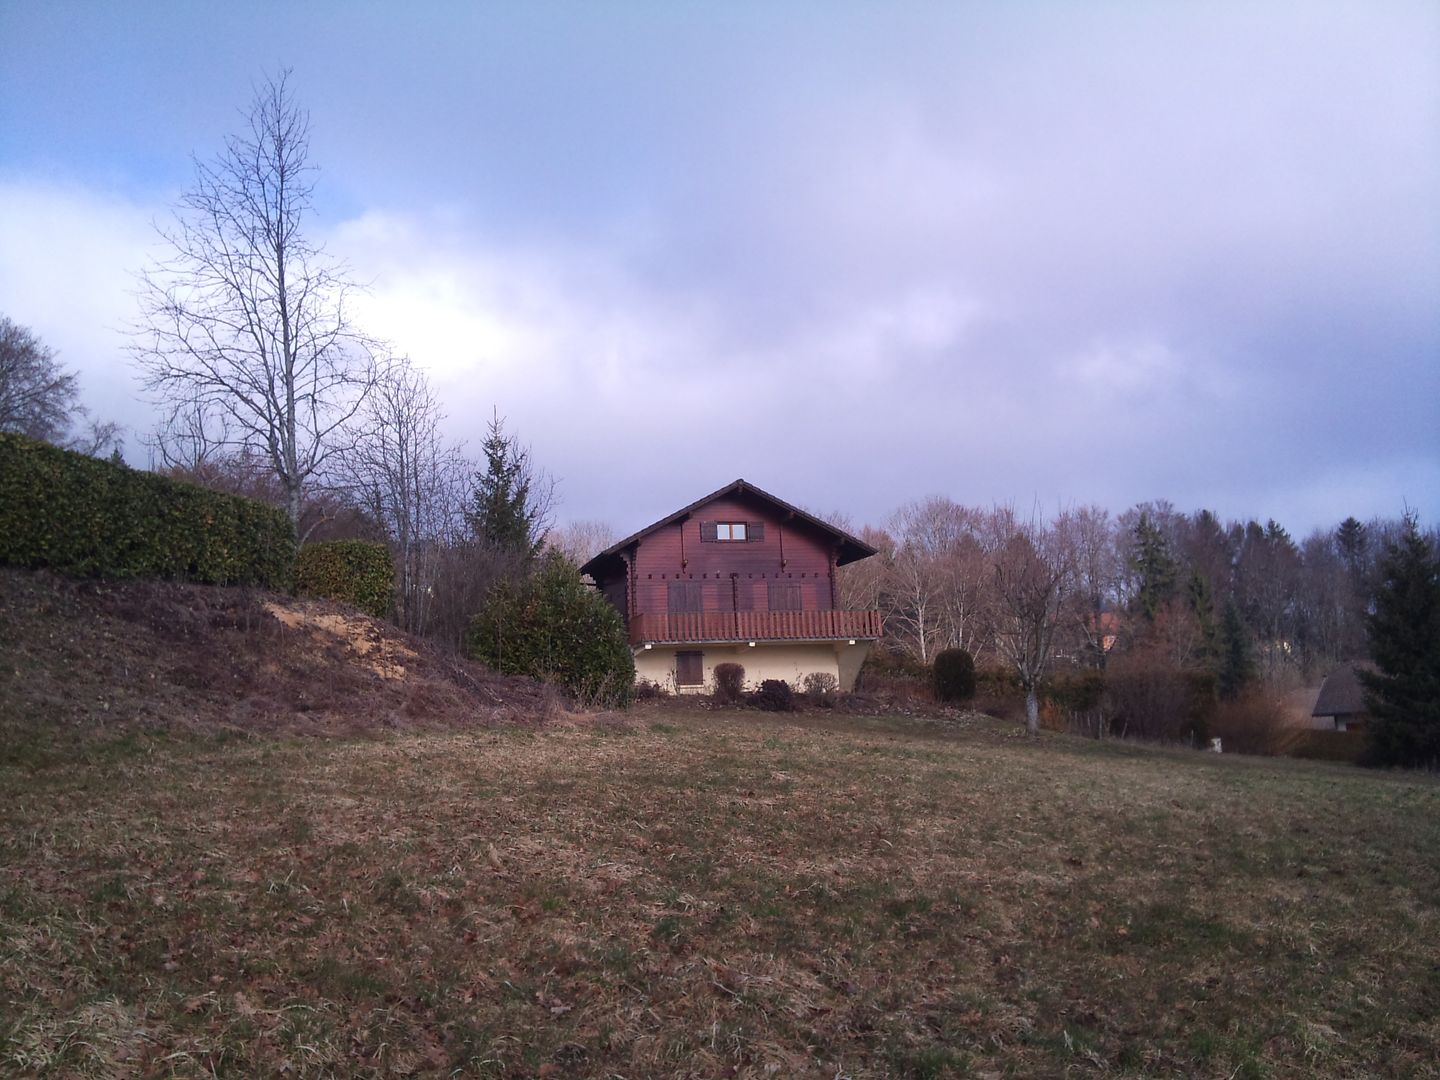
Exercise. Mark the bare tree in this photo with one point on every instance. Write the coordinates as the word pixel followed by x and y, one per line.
pixel 579 541
pixel 1089 534
pixel 38 398
pixel 244 334
pixel 406 477
pixel 1032 573
pixel 37 395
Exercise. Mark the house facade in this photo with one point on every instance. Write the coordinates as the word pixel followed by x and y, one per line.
pixel 737 576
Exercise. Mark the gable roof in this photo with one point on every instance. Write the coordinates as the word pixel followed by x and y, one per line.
pixel 851 548
pixel 1343 694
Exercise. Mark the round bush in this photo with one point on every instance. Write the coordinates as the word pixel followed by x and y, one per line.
pixel 729 683
pixel 954 675
pixel 552 626
pixel 774 695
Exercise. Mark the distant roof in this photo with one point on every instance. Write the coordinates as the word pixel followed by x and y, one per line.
pixel 1343 694
pixel 851 548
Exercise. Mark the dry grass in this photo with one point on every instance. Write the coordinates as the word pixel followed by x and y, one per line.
pixel 79 658
pixel 701 895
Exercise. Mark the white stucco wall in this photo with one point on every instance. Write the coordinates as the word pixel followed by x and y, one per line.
pixel 790 661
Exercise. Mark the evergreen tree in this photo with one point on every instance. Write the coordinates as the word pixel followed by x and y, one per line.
pixel 1235 665
pixel 1155 567
pixel 1202 606
pixel 509 508
pixel 1350 538
pixel 1404 696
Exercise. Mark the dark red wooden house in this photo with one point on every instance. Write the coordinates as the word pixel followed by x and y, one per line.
pixel 739 576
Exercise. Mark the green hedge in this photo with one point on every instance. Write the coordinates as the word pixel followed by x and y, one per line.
pixel 80 515
pixel 1321 745
pixel 360 573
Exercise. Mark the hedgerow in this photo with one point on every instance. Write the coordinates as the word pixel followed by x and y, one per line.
pixel 360 573
pixel 91 518
pixel 553 626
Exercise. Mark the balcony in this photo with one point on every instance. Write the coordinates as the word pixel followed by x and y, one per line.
pixel 698 627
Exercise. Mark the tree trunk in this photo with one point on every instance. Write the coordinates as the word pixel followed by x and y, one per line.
pixel 1032 712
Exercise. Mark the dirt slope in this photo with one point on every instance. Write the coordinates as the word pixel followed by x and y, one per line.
pixel 87 654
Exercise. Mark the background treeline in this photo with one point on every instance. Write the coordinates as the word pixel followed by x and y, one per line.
pixel 1156 623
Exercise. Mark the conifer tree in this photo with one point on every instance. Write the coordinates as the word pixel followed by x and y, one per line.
pixel 510 506
pixel 1404 695
pixel 1155 567
pixel 1236 661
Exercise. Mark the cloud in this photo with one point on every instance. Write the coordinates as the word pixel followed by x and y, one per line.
pixel 1011 253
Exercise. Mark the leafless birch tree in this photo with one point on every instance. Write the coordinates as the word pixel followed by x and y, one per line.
pixel 244 329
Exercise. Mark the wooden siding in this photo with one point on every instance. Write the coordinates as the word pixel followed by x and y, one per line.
pixel 734 573
pixel 754 626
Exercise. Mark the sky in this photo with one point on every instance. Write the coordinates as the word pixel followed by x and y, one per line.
pixel 1034 253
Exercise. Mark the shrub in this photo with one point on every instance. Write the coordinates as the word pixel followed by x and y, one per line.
pixel 649 690
pixel 895 676
pixel 1322 745
pixel 774 695
pixel 1254 723
pixel 91 518
pixel 1076 701
pixel 954 674
pixel 821 688
pixel 729 683
pixel 360 573
pixel 553 626
pixel 1148 698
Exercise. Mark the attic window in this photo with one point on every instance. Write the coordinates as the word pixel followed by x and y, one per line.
pixel 732 531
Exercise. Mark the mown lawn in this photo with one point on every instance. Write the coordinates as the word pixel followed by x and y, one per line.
pixel 713 895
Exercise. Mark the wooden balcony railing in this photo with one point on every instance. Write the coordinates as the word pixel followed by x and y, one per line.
pixel 692 627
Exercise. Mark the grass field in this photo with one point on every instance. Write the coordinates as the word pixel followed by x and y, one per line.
pixel 688 894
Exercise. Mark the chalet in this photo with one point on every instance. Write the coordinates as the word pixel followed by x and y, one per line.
pixel 1341 704
pixel 737 576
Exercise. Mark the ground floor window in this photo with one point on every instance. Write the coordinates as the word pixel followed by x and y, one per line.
pixel 689 669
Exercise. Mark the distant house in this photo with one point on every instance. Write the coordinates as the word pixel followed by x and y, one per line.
pixel 738 576
pixel 1341 704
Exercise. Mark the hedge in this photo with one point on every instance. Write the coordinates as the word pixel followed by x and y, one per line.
pixel 357 572
pixel 83 516
pixel 1320 744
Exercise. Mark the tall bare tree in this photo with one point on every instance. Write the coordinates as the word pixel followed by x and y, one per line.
pixel 244 333
pixel 404 474
pixel 1032 573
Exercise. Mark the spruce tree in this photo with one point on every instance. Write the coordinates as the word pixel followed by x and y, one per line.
pixel 1155 567
pixel 1404 627
pixel 1235 665
pixel 506 512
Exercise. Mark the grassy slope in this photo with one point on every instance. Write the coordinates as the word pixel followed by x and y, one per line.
pixel 707 896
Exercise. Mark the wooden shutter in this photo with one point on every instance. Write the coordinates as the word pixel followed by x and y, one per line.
pixel 784 596
pixel 689 669
pixel 707 531
pixel 684 596
pixel 754 530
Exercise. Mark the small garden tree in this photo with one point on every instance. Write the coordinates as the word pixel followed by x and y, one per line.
pixel 552 626
pixel 954 676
